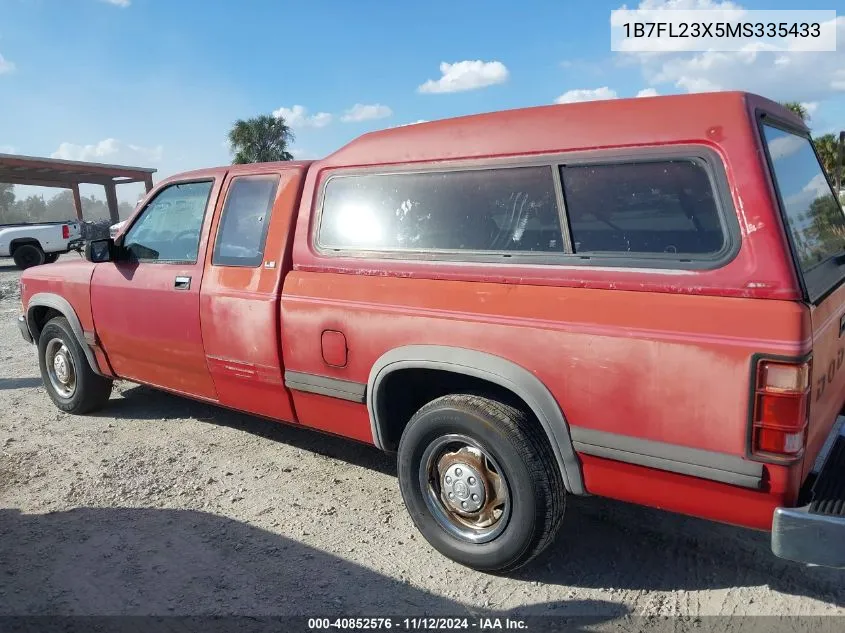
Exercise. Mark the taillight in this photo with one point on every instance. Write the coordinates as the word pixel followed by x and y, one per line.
pixel 781 408
pixel 65 231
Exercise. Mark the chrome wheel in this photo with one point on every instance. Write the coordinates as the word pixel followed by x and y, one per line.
pixel 60 368
pixel 465 489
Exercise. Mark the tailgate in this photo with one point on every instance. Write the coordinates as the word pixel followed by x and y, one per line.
pixel 75 230
pixel 828 391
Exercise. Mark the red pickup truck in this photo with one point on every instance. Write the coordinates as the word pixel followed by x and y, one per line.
pixel 640 299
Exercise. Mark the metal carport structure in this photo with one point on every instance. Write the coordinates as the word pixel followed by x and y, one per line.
pixel 69 174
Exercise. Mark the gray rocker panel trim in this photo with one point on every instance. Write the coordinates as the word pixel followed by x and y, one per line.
pixel 729 469
pixel 493 369
pixel 326 386
pixel 50 300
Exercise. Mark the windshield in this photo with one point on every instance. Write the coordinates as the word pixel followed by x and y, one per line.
pixel 814 216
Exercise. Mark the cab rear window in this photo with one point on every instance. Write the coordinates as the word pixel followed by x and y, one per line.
pixel 814 217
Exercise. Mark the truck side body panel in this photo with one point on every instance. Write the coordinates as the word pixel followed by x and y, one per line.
pixel 239 309
pixel 671 369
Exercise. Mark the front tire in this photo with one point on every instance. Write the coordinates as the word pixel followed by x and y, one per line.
pixel 68 378
pixel 480 482
pixel 28 255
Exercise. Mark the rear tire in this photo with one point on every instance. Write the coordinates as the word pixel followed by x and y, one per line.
pixel 68 378
pixel 28 255
pixel 480 482
pixel 50 258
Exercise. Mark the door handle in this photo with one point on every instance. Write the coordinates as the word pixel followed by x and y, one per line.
pixel 182 283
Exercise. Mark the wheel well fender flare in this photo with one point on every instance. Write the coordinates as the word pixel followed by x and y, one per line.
pixel 494 369
pixel 61 305
pixel 21 241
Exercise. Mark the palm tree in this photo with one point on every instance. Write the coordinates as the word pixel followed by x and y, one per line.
pixel 261 139
pixel 828 148
pixel 797 108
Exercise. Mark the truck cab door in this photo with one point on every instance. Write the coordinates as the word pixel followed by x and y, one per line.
pixel 239 302
pixel 146 304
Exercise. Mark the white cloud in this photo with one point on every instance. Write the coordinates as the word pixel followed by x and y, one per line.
pixel 361 112
pixel 810 107
pixel 793 75
pixel 8 149
pixel 119 3
pixel 648 92
pixel 578 95
pixel 785 145
pixel 466 75
pixel 110 150
pixel 298 116
pixel 818 187
pixel 6 66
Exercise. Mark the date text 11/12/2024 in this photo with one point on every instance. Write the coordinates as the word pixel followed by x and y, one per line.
pixel 418 624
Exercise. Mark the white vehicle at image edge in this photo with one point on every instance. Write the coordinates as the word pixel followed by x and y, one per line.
pixel 34 244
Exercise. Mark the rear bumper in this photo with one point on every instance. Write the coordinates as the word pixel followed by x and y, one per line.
pixel 24 328
pixel 815 533
pixel 804 537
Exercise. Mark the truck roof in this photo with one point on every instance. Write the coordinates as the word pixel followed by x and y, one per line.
pixel 544 129
pixel 250 168
pixel 553 128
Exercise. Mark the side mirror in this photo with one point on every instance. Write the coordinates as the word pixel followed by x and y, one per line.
pixel 98 251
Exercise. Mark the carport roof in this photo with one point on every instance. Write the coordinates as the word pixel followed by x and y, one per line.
pixel 56 172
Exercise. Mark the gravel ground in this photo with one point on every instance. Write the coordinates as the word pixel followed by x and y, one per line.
pixel 160 505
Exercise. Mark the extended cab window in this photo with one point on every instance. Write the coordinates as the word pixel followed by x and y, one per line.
pixel 243 224
pixel 169 227
pixel 664 208
pixel 507 209
pixel 813 215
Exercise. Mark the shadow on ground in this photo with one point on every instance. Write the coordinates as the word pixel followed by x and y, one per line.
pixel 144 403
pixel 20 383
pixel 603 544
pixel 170 562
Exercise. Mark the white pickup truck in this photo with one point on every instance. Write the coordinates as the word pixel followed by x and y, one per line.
pixel 35 244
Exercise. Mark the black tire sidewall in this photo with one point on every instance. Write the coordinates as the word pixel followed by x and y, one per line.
pixel 32 249
pixel 508 547
pixel 59 328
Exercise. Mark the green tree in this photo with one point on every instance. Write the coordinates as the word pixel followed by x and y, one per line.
pixel 828 148
pixel 798 109
pixel 60 206
pixel 261 139
pixel 7 202
pixel 33 209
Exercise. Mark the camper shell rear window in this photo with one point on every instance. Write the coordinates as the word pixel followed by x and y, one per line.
pixel 814 217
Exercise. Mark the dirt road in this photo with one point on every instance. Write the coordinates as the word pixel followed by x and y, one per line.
pixel 160 505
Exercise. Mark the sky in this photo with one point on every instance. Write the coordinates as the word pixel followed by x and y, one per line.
pixel 159 82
